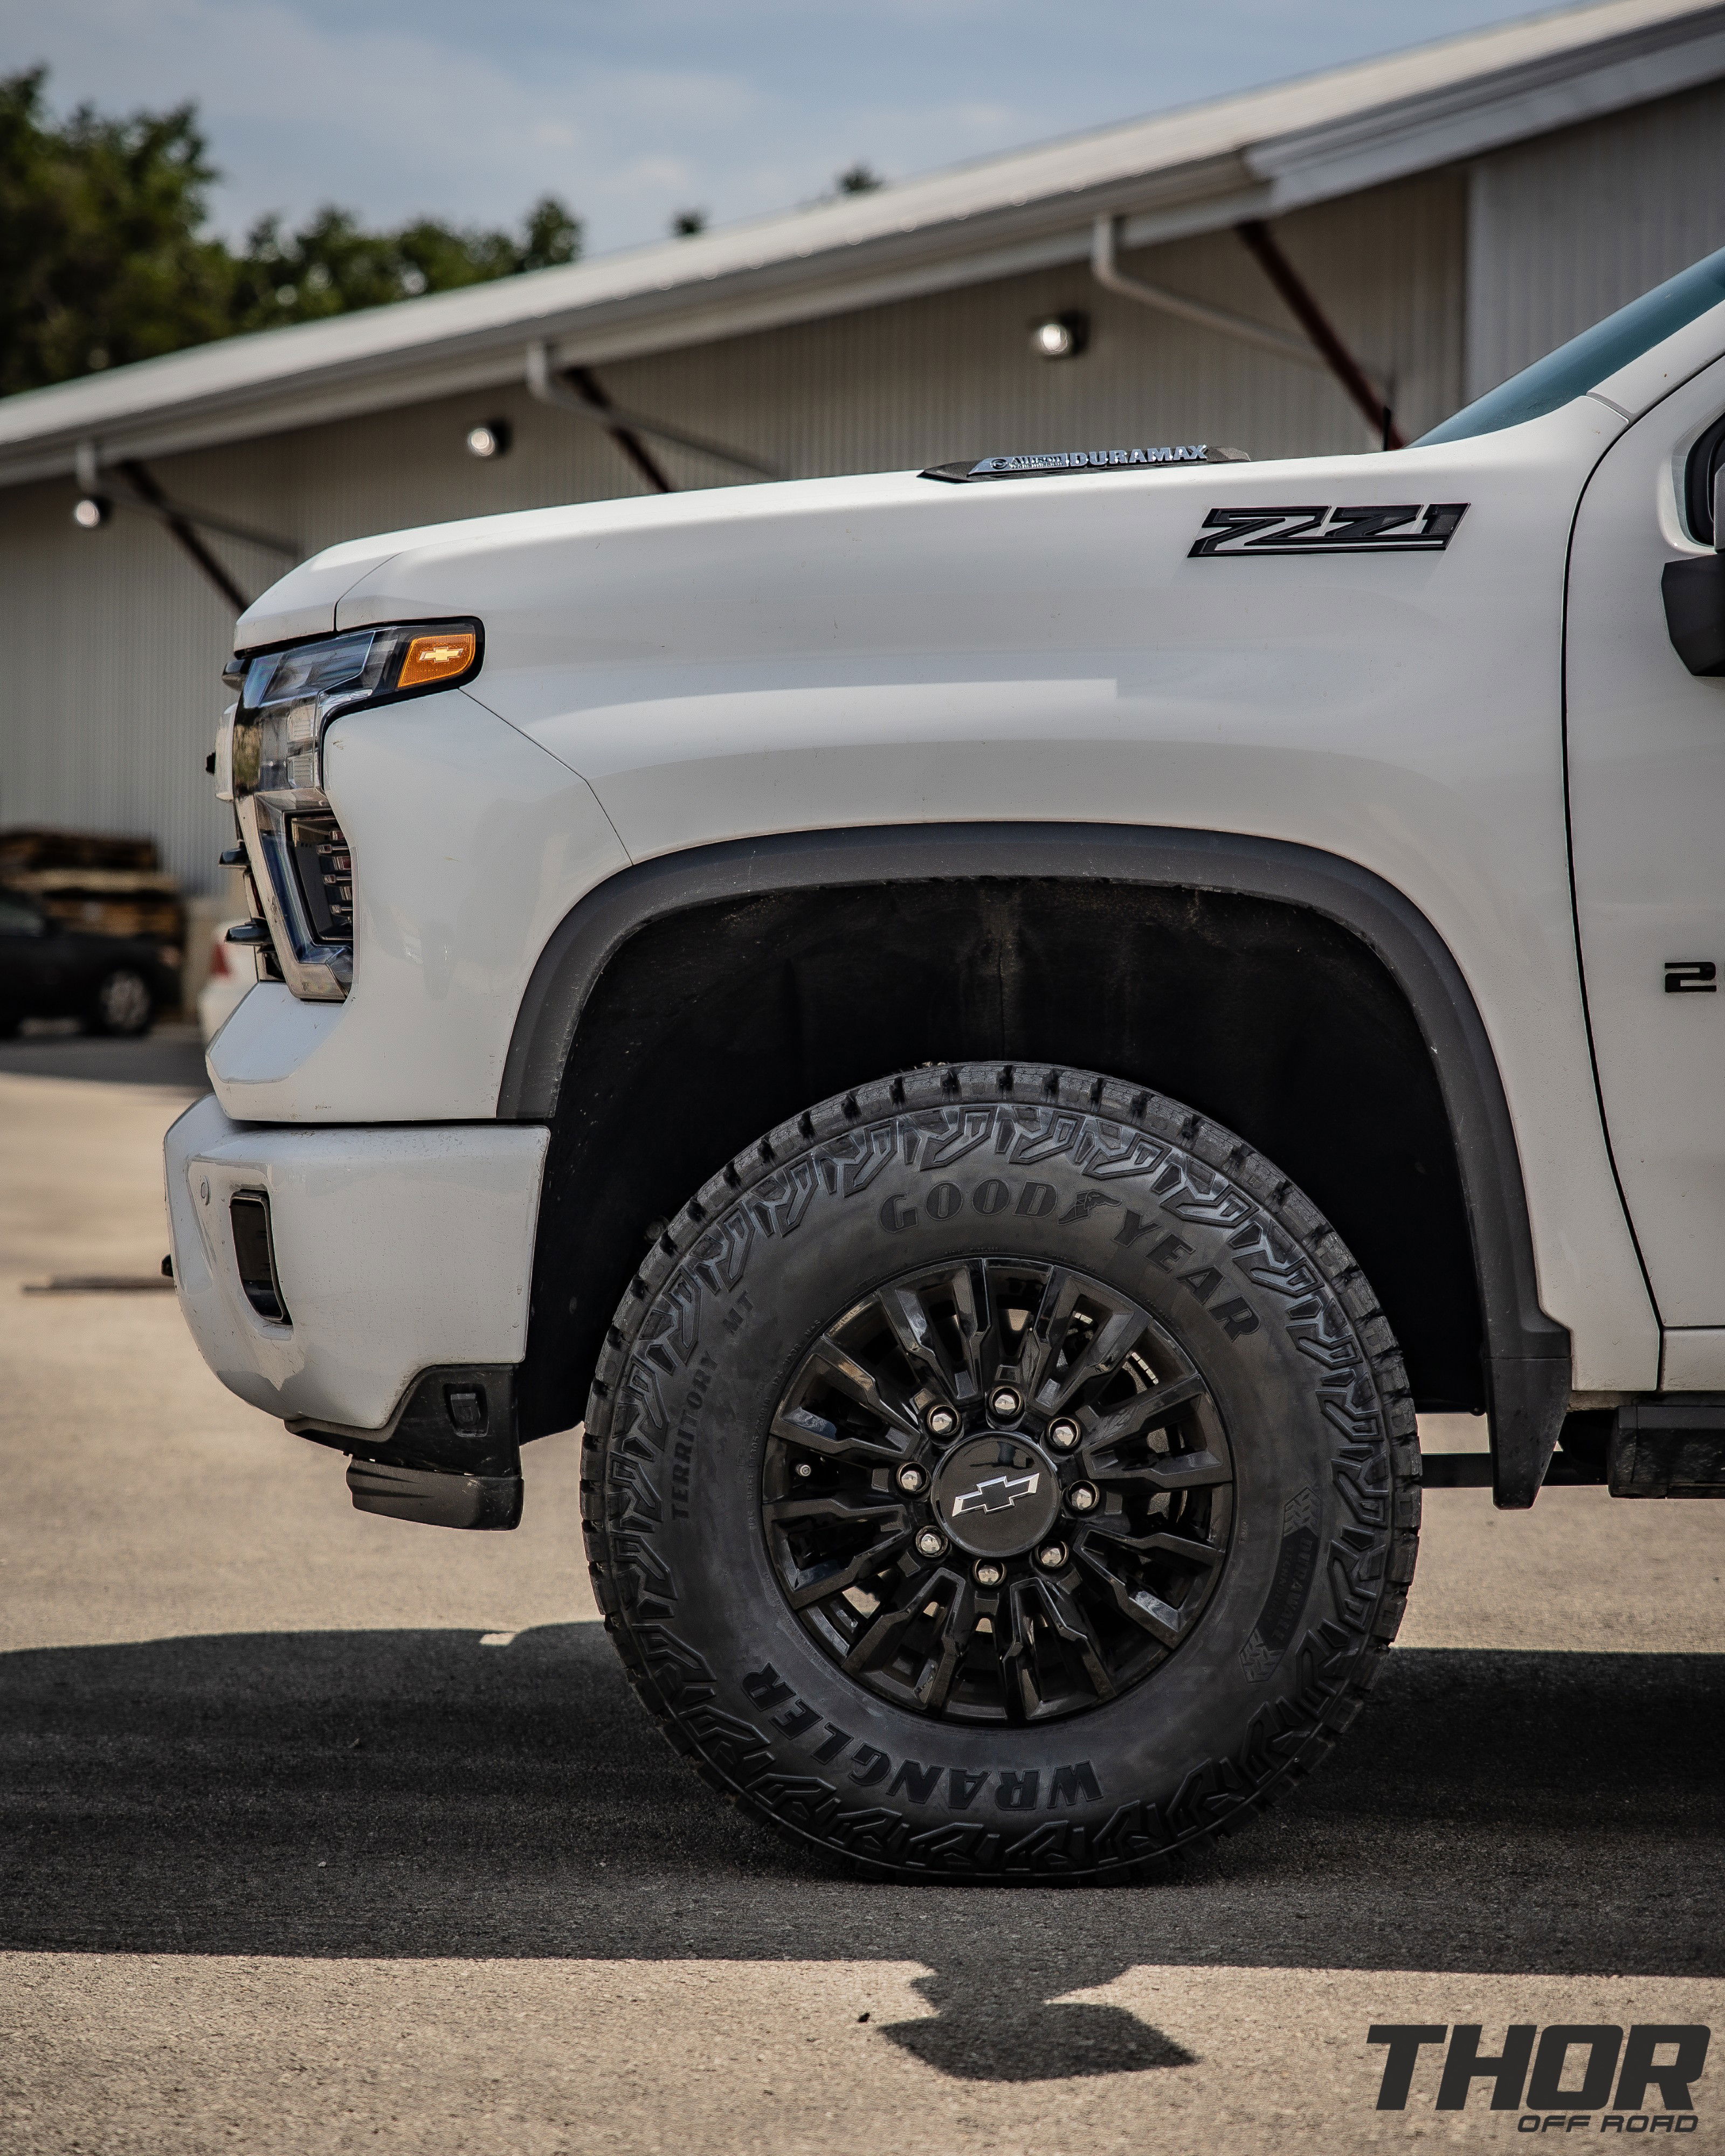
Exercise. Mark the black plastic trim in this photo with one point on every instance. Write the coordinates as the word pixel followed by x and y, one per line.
pixel 436 1498
pixel 1527 1353
pixel 1706 459
pixel 459 1418
pixel 1694 595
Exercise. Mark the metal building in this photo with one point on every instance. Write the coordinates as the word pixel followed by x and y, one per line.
pixel 1265 271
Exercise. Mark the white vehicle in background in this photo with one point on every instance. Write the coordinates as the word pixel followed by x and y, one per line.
pixel 232 971
pixel 994 1033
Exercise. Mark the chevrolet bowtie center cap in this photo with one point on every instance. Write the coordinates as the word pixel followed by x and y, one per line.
pixel 996 1495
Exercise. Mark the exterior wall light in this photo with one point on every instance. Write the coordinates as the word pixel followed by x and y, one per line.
pixel 92 512
pixel 491 438
pixel 1060 337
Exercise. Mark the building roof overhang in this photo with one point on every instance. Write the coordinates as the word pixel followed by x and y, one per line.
pixel 1258 155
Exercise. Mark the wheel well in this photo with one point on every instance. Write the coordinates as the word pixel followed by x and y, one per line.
pixel 712 1024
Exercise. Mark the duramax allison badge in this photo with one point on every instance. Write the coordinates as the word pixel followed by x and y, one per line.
pixel 1058 464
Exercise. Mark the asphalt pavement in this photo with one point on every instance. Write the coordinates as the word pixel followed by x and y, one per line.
pixel 321 1833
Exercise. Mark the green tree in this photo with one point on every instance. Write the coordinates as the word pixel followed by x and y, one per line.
pixel 104 259
pixel 101 256
pixel 331 265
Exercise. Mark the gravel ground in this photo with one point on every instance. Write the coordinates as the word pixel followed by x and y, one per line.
pixel 320 1832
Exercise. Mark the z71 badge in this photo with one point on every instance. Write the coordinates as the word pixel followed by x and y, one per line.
pixel 1400 528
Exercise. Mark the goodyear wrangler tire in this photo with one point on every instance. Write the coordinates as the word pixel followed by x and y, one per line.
pixel 1001 1473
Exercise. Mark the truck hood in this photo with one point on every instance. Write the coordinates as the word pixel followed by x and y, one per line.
pixel 308 601
pixel 756 553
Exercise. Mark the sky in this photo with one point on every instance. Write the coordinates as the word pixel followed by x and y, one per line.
pixel 634 110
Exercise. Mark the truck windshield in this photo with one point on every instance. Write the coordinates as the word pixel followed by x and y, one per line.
pixel 1573 368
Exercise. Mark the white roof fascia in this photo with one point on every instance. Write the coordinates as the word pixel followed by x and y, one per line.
pixel 1178 173
pixel 1319 164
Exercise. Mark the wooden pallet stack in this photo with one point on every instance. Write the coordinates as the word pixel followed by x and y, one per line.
pixel 104 886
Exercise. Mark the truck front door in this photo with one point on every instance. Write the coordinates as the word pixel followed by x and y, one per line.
pixel 1646 767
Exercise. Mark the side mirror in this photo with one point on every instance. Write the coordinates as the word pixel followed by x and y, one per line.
pixel 1694 594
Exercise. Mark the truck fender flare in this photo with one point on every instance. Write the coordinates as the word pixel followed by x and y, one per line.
pixel 1527 1353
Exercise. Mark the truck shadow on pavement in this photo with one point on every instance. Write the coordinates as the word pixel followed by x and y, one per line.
pixel 413 1794
pixel 998 2025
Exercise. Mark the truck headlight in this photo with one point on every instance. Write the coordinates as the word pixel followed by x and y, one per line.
pixel 287 698
pixel 299 860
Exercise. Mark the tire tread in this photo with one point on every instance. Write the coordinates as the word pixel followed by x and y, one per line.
pixel 1217 1148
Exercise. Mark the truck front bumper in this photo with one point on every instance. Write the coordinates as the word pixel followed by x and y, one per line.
pixel 396 1249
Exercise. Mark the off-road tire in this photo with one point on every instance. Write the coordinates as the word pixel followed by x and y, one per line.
pixel 1163 1207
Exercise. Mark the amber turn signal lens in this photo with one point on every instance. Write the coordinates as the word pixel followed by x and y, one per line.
pixel 436 657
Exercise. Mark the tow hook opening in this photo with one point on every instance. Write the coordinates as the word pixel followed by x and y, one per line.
pixel 254 1254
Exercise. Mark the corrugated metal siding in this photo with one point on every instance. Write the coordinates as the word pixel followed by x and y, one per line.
pixel 926 380
pixel 109 703
pixel 117 640
pixel 1565 230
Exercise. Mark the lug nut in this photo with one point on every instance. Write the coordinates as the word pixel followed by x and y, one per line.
pixel 931 1543
pixel 1004 1402
pixel 1064 1432
pixel 911 1479
pixel 1051 1556
pixel 1082 1497
pixel 942 1422
pixel 803 1469
pixel 988 1573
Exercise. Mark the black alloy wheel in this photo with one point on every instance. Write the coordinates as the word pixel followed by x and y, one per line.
pixel 998 1491
pixel 1001 1472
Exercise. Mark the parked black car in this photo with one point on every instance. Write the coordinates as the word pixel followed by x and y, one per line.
pixel 112 983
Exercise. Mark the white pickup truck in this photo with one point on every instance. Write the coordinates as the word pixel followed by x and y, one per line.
pixel 994 1034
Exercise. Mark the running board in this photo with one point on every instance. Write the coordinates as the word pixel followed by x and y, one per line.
pixel 1673 1447
pixel 1668 1447
pixel 1473 1470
